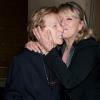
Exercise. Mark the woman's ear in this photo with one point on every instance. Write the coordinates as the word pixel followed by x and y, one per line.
pixel 81 25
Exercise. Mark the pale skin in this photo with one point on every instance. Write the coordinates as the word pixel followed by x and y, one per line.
pixel 51 33
pixel 71 25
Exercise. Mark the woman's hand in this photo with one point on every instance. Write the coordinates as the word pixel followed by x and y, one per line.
pixel 36 47
pixel 33 46
pixel 44 39
pixel 45 42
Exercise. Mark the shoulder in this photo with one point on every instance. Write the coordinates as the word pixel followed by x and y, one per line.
pixel 87 43
pixel 27 55
pixel 87 49
pixel 26 61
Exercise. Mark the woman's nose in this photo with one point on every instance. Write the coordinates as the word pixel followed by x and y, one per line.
pixel 61 29
pixel 63 23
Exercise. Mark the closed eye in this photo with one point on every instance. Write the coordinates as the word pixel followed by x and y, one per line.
pixel 54 26
pixel 69 18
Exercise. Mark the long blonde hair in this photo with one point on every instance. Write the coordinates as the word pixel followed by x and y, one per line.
pixel 85 32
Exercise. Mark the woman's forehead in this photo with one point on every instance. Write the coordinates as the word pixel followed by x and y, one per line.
pixel 51 18
pixel 69 13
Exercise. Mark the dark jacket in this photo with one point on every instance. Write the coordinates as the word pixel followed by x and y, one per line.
pixel 82 78
pixel 27 79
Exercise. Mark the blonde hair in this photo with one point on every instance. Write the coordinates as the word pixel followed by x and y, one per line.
pixel 37 19
pixel 85 32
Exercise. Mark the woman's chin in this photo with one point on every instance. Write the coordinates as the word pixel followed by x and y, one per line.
pixel 60 42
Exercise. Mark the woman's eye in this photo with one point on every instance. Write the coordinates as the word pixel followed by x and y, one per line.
pixel 69 18
pixel 54 26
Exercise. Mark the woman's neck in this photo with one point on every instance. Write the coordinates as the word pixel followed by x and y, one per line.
pixel 69 44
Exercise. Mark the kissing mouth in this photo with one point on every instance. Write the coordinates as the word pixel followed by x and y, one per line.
pixel 61 36
pixel 65 29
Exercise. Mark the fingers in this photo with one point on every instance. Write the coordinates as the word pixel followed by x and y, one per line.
pixel 50 38
pixel 36 48
pixel 33 46
pixel 28 45
pixel 43 51
pixel 36 33
pixel 44 38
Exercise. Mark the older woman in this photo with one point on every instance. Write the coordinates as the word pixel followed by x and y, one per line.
pixel 29 77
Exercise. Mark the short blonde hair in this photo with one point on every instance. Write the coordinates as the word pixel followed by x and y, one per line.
pixel 37 19
pixel 85 32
